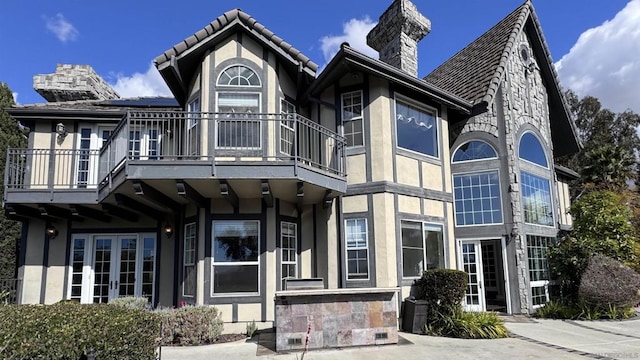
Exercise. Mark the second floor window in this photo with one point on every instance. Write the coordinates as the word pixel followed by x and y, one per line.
pixel 416 129
pixel 352 119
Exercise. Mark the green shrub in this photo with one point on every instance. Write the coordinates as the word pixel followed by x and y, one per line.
pixel 582 311
pixel 468 325
pixel 443 289
pixel 608 282
pixel 131 302
pixel 66 331
pixel 190 325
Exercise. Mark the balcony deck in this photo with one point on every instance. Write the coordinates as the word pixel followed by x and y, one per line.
pixel 181 146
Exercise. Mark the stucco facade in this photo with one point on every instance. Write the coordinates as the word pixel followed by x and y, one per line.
pixel 259 169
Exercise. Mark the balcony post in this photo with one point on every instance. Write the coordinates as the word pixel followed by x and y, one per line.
pixel 295 143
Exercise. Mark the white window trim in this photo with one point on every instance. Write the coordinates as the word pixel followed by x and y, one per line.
pixel 294 248
pixel 551 201
pixel 409 101
pixel 184 256
pixel 88 271
pixel 361 117
pixel 365 247
pixel 453 153
pixel 214 264
pixel 455 218
pixel 424 245
pixel 239 86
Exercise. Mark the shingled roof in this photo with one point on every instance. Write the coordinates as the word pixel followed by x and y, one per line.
pixel 474 73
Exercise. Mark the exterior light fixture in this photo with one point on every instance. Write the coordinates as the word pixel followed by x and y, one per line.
pixel 61 130
pixel 51 231
pixel 168 230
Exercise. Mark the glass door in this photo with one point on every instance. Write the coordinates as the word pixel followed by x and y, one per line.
pixel 102 269
pixel 471 263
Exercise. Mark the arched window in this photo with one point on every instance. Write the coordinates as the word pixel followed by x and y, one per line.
pixel 474 150
pixel 531 150
pixel 238 75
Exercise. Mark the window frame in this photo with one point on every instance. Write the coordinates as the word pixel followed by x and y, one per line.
pixel 257 262
pixel 470 173
pixel 420 107
pixel 542 147
pixel 256 117
pixel 423 225
pixel 193 251
pixel 224 71
pixel 283 249
pixel 360 118
pixel 473 160
pixel 357 248
pixel 550 198
pixel 541 283
pixel 287 126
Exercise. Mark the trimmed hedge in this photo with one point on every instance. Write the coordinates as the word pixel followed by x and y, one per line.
pixel 68 330
pixel 190 325
pixel 442 287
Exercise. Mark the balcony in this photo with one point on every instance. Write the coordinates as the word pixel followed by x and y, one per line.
pixel 159 146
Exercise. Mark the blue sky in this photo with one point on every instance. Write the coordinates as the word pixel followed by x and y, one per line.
pixel 598 42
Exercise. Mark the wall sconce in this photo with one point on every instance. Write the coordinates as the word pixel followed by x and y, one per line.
pixel 51 231
pixel 61 130
pixel 168 230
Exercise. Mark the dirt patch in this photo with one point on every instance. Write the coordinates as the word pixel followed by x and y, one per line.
pixel 225 338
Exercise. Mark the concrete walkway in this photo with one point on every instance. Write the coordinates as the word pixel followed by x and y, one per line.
pixel 532 339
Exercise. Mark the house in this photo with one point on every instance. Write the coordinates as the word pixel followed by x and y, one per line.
pixel 262 169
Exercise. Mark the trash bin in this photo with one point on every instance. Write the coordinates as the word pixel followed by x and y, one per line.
pixel 414 316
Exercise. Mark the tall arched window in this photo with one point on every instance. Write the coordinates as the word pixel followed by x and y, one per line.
pixel 238 104
pixel 476 194
pixel 535 185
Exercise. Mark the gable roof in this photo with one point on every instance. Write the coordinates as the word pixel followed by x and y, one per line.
pixel 174 65
pixel 475 72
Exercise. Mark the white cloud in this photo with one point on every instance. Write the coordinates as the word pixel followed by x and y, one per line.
pixel 15 97
pixel 605 61
pixel 61 28
pixel 149 83
pixel 355 33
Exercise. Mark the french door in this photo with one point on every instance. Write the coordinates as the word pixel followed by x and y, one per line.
pixel 105 267
pixel 470 261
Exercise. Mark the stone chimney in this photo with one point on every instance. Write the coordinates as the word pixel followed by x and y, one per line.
pixel 73 82
pixel 397 34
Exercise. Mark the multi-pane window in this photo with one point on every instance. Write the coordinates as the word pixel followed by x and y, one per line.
pixel 474 150
pixel 422 248
pixel 357 242
pixel 238 75
pixel 416 129
pixel 531 150
pixel 352 119
pixel 193 127
pixel 77 264
pixel 236 263
pixel 536 199
pixel 477 198
pixel 189 258
pixel 288 251
pixel 148 267
pixel 239 124
pixel 287 127
pixel 84 158
pixel 537 247
pixel 134 144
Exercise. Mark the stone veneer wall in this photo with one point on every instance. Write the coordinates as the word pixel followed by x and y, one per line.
pixel 336 320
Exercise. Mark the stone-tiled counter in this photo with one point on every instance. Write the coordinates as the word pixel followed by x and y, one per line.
pixel 336 318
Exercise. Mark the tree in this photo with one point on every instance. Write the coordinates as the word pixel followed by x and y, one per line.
pixel 602 226
pixel 10 136
pixel 610 144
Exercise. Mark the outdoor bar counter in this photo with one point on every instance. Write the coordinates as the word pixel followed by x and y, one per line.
pixel 332 318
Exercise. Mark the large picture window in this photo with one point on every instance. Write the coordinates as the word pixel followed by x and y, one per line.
pixel 536 200
pixel 537 247
pixel 357 242
pixel 422 248
pixel 352 119
pixel 477 199
pixel 189 270
pixel 236 264
pixel 239 125
pixel 416 129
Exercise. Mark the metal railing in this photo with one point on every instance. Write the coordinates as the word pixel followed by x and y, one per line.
pixel 219 137
pixel 155 136
pixel 9 291
pixel 51 169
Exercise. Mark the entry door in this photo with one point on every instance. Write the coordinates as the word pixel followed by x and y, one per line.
pixel 114 267
pixel 87 159
pixel 471 262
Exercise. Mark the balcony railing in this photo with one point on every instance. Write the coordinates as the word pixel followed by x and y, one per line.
pixel 179 137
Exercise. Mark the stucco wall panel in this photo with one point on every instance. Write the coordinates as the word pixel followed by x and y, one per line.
pixel 384 218
pixel 353 204
pixel 409 171
pixel 356 169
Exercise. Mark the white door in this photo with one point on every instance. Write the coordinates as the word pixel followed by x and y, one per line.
pixel 115 267
pixel 471 262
